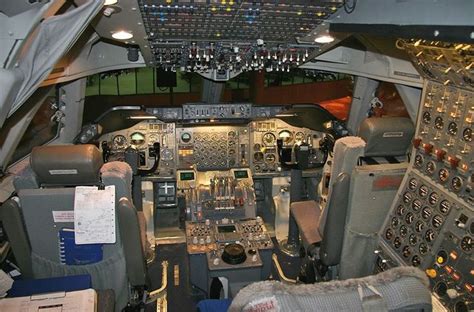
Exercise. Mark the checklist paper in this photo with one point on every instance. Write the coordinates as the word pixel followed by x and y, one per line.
pixel 94 215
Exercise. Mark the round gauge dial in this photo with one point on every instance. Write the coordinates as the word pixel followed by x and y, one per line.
pixel 137 138
pixel 426 213
pixel 119 142
pixel 426 117
pixel 185 137
pixel 167 154
pixel 403 231
pixel 415 261
pixel 407 198
pixel 406 252
pixel 466 243
pixel 419 226
pixel 467 134
pixel 423 248
pixel 231 134
pixel 453 128
pixel 413 184
pixel 257 147
pixel 397 242
pixel 395 222
pixel 433 199
pixel 258 156
pixel 429 235
pixel 416 205
pixel 409 218
pixel 268 139
pixel 389 234
pixel 439 123
pixel 152 138
pixel 423 191
pixel 299 137
pixel 270 158
pixel 401 210
pixel 443 175
pixel 430 167
pixel 437 221
pixel 418 161
pixel 413 239
pixel 456 183
pixel 286 136
pixel 444 207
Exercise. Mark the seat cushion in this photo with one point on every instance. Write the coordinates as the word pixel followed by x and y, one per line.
pixel 307 214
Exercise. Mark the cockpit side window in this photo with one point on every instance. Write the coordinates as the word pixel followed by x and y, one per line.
pixel 42 129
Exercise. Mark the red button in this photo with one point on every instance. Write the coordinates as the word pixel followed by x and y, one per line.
pixel 453 161
pixel 428 148
pixel 440 154
pixel 416 142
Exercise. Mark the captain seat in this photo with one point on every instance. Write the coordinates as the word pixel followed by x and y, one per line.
pixel 33 231
pixel 337 231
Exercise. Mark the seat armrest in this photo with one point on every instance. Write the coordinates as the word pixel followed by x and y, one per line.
pixel 11 217
pixel 131 240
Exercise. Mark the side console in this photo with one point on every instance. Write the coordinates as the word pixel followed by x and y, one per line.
pixel 431 224
pixel 238 250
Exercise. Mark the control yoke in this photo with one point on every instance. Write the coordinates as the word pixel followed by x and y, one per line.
pixel 156 151
pixel 300 160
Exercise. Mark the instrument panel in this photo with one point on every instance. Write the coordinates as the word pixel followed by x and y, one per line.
pixel 431 223
pixel 216 147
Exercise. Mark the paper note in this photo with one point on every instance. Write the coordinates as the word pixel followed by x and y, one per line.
pixel 94 215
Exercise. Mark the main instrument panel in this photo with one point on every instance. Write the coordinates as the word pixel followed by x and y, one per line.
pixel 431 224
pixel 216 147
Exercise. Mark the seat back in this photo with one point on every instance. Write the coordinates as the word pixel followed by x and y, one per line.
pixel 373 187
pixel 398 289
pixel 333 234
pixel 35 220
pixel 347 151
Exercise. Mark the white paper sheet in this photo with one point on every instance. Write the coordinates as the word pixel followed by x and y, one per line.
pixel 74 301
pixel 94 215
pixel 6 283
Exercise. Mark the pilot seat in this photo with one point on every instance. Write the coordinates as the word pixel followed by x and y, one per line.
pixel 29 219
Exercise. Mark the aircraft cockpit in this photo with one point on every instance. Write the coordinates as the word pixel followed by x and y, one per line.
pixel 216 155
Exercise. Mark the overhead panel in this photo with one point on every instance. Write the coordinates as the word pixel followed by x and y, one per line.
pixel 233 36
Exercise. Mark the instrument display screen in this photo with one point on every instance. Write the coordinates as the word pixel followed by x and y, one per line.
pixel 186 176
pixel 226 229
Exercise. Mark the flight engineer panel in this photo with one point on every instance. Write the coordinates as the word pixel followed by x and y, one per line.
pixel 431 224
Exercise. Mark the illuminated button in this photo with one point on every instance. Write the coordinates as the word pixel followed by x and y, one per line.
pixel 453 161
pixel 453 255
pixel 468 287
pixel 416 142
pixel 448 269
pixel 440 154
pixel 456 276
pixel 431 273
pixel 465 167
pixel 440 260
pixel 428 148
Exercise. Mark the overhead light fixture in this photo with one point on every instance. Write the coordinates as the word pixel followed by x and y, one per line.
pixel 142 117
pixel 122 35
pixel 286 115
pixel 110 2
pixel 324 39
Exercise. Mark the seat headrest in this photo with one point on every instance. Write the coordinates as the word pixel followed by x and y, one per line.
pixel 386 136
pixel 66 164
